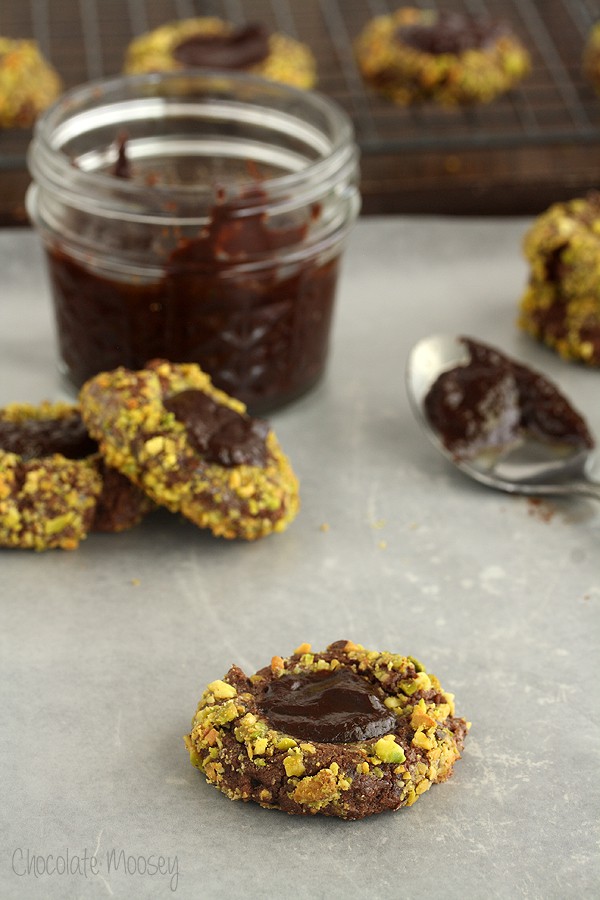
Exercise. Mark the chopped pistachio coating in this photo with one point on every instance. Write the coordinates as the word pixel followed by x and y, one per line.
pixel 28 84
pixel 51 501
pixel 123 410
pixel 47 502
pixel 235 745
pixel 561 304
pixel 289 61
pixel 406 74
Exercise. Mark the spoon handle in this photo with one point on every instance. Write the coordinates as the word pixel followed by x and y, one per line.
pixel 588 488
pixel 585 487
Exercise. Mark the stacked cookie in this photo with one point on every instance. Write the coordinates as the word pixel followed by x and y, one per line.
pixel 160 436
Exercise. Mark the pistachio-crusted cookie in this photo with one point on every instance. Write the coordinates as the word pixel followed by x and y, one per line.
pixel 416 55
pixel 213 43
pixel 348 732
pixel 192 448
pixel 561 304
pixel 54 488
pixel 28 83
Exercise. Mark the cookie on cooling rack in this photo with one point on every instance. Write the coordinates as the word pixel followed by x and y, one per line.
pixel 213 43
pixel 451 58
pixel 348 732
pixel 28 83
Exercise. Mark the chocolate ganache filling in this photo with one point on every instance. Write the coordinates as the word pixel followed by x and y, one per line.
pixel 220 434
pixel 238 49
pixel 262 335
pixel 337 708
pixel 451 32
pixel 36 438
pixel 493 401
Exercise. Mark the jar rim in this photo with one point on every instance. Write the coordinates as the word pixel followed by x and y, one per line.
pixel 52 167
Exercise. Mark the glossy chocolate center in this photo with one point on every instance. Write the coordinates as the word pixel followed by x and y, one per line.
pixel 450 32
pixel 337 708
pixel 36 438
pixel 239 49
pixel 220 434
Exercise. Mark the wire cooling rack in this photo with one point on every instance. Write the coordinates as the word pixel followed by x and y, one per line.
pixel 554 105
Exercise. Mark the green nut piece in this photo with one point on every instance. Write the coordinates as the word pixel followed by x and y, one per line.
pixel 388 750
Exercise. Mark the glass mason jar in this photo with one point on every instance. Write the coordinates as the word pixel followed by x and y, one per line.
pixel 196 217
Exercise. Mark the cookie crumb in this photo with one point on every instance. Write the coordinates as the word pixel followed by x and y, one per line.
pixel 541 509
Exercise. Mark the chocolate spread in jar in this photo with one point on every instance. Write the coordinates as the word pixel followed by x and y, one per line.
pixel 238 49
pixel 261 333
pixel 493 401
pixel 337 708
pixel 220 434
pixel 35 438
pixel 451 32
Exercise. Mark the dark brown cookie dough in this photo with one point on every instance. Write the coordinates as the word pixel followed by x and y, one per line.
pixel 192 448
pixel 416 55
pixel 561 305
pixel 54 488
pixel 347 733
pixel 213 43
pixel 28 84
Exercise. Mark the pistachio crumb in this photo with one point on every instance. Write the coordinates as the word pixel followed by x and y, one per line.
pixel 293 763
pixel 260 745
pixel 421 740
pixel 222 690
pixel 388 750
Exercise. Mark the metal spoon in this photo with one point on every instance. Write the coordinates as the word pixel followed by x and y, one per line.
pixel 532 467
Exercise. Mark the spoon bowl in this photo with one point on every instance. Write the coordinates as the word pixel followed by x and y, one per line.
pixel 531 466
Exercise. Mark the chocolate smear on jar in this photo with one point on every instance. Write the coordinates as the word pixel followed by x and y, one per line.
pixel 338 708
pixel 219 433
pixel 122 166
